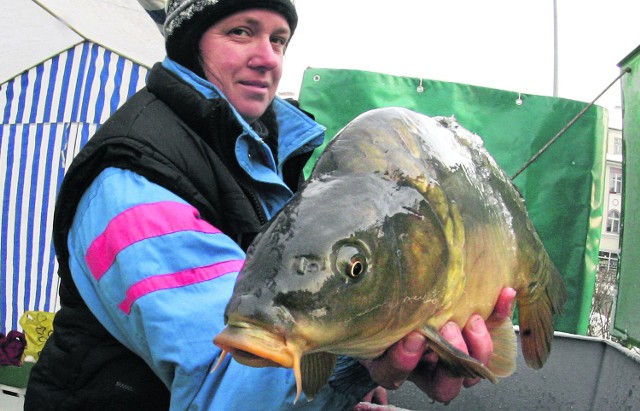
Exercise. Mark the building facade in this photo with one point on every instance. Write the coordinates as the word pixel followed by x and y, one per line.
pixel 610 240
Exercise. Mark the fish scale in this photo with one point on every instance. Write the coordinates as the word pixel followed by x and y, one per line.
pixel 405 223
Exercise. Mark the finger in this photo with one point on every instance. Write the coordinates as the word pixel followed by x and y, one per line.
pixel 377 396
pixel 442 387
pixel 370 395
pixel 452 333
pixel 380 396
pixel 479 343
pixel 436 382
pixel 429 358
pixel 393 368
pixel 408 353
pixel 504 306
pixel 477 339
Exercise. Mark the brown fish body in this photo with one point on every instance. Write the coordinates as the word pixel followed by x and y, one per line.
pixel 405 223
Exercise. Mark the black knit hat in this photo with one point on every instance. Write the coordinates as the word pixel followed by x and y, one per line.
pixel 187 20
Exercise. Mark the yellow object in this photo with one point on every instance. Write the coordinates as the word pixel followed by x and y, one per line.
pixel 37 326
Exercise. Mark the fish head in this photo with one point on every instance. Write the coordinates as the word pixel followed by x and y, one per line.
pixel 334 272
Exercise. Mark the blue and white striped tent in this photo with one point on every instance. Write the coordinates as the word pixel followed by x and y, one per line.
pixel 66 66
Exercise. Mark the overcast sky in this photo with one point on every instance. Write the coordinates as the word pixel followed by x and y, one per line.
pixel 504 44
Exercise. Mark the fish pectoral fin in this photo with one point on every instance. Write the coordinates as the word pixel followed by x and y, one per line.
pixel 503 359
pixel 316 368
pixel 457 362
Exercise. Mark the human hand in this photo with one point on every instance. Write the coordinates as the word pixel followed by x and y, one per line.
pixel 411 359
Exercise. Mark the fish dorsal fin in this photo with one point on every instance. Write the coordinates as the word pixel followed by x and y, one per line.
pixel 316 369
pixel 457 362
pixel 505 347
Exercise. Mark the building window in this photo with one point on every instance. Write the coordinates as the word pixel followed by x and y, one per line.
pixel 608 260
pixel 613 222
pixel 617 145
pixel 615 180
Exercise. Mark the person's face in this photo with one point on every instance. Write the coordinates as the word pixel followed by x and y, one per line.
pixel 242 55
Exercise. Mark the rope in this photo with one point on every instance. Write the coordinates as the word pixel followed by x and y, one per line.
pixel 565 128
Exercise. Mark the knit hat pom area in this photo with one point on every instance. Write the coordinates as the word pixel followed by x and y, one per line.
pixel 187 20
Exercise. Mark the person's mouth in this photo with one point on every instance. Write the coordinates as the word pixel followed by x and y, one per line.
pixel 255 85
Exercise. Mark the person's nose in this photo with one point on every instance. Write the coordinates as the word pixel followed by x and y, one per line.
pixel 265 57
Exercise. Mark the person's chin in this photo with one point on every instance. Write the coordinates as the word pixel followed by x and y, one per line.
pixel 252 110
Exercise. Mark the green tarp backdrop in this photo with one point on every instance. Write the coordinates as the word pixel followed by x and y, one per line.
pixel 562 189
pixel 627 320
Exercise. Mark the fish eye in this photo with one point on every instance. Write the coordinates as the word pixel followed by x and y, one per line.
pixel 351 261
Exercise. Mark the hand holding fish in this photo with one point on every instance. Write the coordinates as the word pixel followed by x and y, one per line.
pixel 412 359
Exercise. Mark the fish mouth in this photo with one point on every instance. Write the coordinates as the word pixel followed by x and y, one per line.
pixel 257 347
pixel 250 359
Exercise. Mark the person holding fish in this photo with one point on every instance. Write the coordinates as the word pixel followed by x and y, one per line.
pixel 155 215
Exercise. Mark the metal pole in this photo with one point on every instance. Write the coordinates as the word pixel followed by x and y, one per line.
pixel 555 48
pixel 565 128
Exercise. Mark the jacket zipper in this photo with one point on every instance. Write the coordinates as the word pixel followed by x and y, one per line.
pixel 246 187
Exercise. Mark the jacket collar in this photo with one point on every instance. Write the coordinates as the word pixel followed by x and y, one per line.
pixel 297 133
pixel 296 129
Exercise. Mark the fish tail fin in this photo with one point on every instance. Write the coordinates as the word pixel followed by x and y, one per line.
pixel 503 359
pixel 544 299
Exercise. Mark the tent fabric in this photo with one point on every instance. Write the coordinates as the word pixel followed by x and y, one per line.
pixel 48 113
pixel 626 325
pixel 31 35
pixel 84 83
pixel 36 30
pixel 122 26
pixel 562 189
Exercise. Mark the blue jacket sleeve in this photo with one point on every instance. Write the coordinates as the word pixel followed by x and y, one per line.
pixel 158 277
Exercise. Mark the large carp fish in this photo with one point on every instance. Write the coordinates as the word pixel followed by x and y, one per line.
pixel 405 223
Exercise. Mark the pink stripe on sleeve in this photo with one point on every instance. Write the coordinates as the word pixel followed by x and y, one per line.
pixel 138 223
pixel 178 279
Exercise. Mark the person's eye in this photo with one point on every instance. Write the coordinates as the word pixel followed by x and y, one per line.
pixel 239 31
pixel 279 43
pixel 279 40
